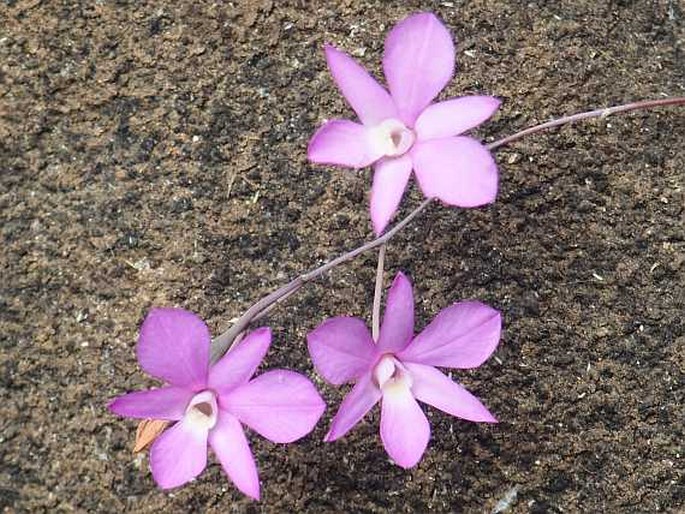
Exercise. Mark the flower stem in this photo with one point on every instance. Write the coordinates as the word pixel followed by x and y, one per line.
pixel 228 338
pixel 598 113
pixel 224 341
pixel 378 292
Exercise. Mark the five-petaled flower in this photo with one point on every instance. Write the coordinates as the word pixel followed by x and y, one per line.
pixel 402 130
pixel 209 403
pixel 399 369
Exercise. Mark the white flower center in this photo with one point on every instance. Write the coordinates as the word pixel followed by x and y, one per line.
pixel 390 373
pixel 392 138
pixel 202 410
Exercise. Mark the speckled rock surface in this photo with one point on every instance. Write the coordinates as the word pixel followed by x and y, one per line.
pixel 153 153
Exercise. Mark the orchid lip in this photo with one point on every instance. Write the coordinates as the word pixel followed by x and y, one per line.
pixel 202 411
pixel 392 138
pixel 390 372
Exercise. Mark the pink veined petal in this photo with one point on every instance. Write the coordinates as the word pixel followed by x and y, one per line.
pixel 368 98
pixel 454 116
pixel 179 454
pixel 458 170
pixel 163 403
pixel 281 405
pixel 463 335
pixel 343 143
pixel 404 428
pixel 341 349
pixel 434 388
pixel 418 62
pixel 174 345
pixel 363 396
pixel 397 328
pixel 237 366
pixel 230 445
pixel 389 182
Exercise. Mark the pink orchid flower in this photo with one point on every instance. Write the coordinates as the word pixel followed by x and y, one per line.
pixel 402 130
pixel 399 368
pixel 209 403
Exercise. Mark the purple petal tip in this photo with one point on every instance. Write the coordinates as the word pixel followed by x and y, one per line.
pixel 111 406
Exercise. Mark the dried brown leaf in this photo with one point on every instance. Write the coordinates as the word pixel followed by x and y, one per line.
pixel 147 432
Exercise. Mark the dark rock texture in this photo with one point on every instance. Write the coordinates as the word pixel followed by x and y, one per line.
pixel 153 153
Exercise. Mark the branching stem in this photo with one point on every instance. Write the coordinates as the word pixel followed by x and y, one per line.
pixel 224 341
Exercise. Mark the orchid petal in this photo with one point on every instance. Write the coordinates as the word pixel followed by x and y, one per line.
pixel 174 345
pixel 397 328
pixel 164 403
pixel 463 335
pixel 431 386
pixel 455 116
pixel 281 405
pixel 389 182
pixel 237 366
pixel 404 428
pixel 459 171
pixel 179 454
pixel 344 143
pixel 366 96
pixel 363 396
pixel 341 349
pixel 418 63
pixel 230 445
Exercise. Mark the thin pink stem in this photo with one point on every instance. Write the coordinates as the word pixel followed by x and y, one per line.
pixel 222 342
pixel 225 340
pixel 377 294
pixel 598 113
